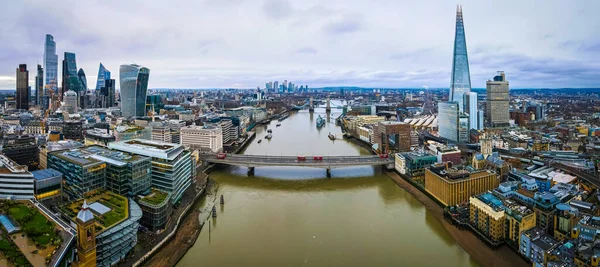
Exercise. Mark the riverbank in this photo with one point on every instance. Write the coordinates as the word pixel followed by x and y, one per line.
pixel 185 236
pixel 482 254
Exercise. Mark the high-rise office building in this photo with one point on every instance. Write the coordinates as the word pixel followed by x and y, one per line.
pixel 471 102
pixel 70 79
pixel 497 100
pixel 461 79
pixel 275 86
pixel 51 63
pixel 448 116
pixel 83 88
pixel 134 87
pixel 22 90
pixel 103 75
pixel 39 86
pixel 107 92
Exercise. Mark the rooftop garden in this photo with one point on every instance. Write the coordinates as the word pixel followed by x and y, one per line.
pixel 155 198
pixel 34 224
pixel 118 208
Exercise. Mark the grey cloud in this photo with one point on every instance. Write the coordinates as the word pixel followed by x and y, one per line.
pixel 277 9
pixel 306 50
pixel 343 25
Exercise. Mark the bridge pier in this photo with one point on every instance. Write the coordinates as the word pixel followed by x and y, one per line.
pixel 250 171
pixel 328 108
pixel 328 173
pixel 311 106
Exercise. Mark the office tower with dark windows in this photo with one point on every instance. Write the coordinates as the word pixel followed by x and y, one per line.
pixel 134 87
pixel 498 101
pixel 39 86
pixel 22 149
pixel 448 119
pixel 70 78
pixel 22 94
pixel 51 63
pixel 103 75
pixel 82 87
pixel 107 93
pixel 461 79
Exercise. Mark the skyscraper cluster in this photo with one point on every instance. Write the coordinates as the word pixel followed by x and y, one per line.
pixel 461 113
pixel 285 87
pixel 48 95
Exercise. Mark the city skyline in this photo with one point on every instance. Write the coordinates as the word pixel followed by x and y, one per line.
pixel 325 44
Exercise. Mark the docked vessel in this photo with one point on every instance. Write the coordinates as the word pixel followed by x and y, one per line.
pixel 285 116
pixel 269 131
pixel 269 136
pixel 331 136
pixel 320 122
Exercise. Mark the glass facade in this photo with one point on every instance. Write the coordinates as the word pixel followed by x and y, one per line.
pixel 70 79
pixel 473 114
pixel 134 87
pixel 82 174
pixel 103 75
pixel 461 79
pixel 113 244
pixel 155 214
pixel 82 80
pixel 51 63
pixel 39 86
pixel 448 120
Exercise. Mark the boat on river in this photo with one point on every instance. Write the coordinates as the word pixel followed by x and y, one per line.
pixel 331 136
pixel 259 140
pixel 320 122
pixel 269 136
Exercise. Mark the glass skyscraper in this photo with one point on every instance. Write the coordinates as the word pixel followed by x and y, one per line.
pixel 39 86
pixel 461 79
pixel 70 79
pixel 448 116
pixel 134 87
pixel 103 75
pixel 51 63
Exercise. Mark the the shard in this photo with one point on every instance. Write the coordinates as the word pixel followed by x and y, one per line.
pixel 461 79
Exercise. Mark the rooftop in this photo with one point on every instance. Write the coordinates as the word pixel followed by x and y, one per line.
pixel 155 198
pixel 118 205
pixel 148 148
pixel 491 200
pixel 112 156
pixel 45 174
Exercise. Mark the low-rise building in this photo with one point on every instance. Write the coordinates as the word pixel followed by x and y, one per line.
pixel 207 137
pixel 15 181
pixel 82 173
pixel 413 164
pixel 172 166
pixel 48 183
pixel 116 222
pixel 451 186
pixel 536 245
pixel 156 209
pixel 98 137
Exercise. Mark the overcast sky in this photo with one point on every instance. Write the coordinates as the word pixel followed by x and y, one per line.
pixel 245 43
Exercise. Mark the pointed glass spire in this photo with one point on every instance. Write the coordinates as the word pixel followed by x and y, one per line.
pixel 461 78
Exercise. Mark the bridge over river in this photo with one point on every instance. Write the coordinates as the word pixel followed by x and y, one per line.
pixel 325 162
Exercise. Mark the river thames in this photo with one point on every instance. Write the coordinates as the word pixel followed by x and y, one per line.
pixel 288 216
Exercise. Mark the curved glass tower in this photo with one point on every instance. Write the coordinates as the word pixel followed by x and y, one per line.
pixel 103 75
pixel 461 79
pixel 51 63
pixel 134 87
pixel 82 80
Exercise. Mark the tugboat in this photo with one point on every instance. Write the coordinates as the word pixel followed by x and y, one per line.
pixel 320 122
pixel 259 140
pixel 331 136
pixel 269 136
